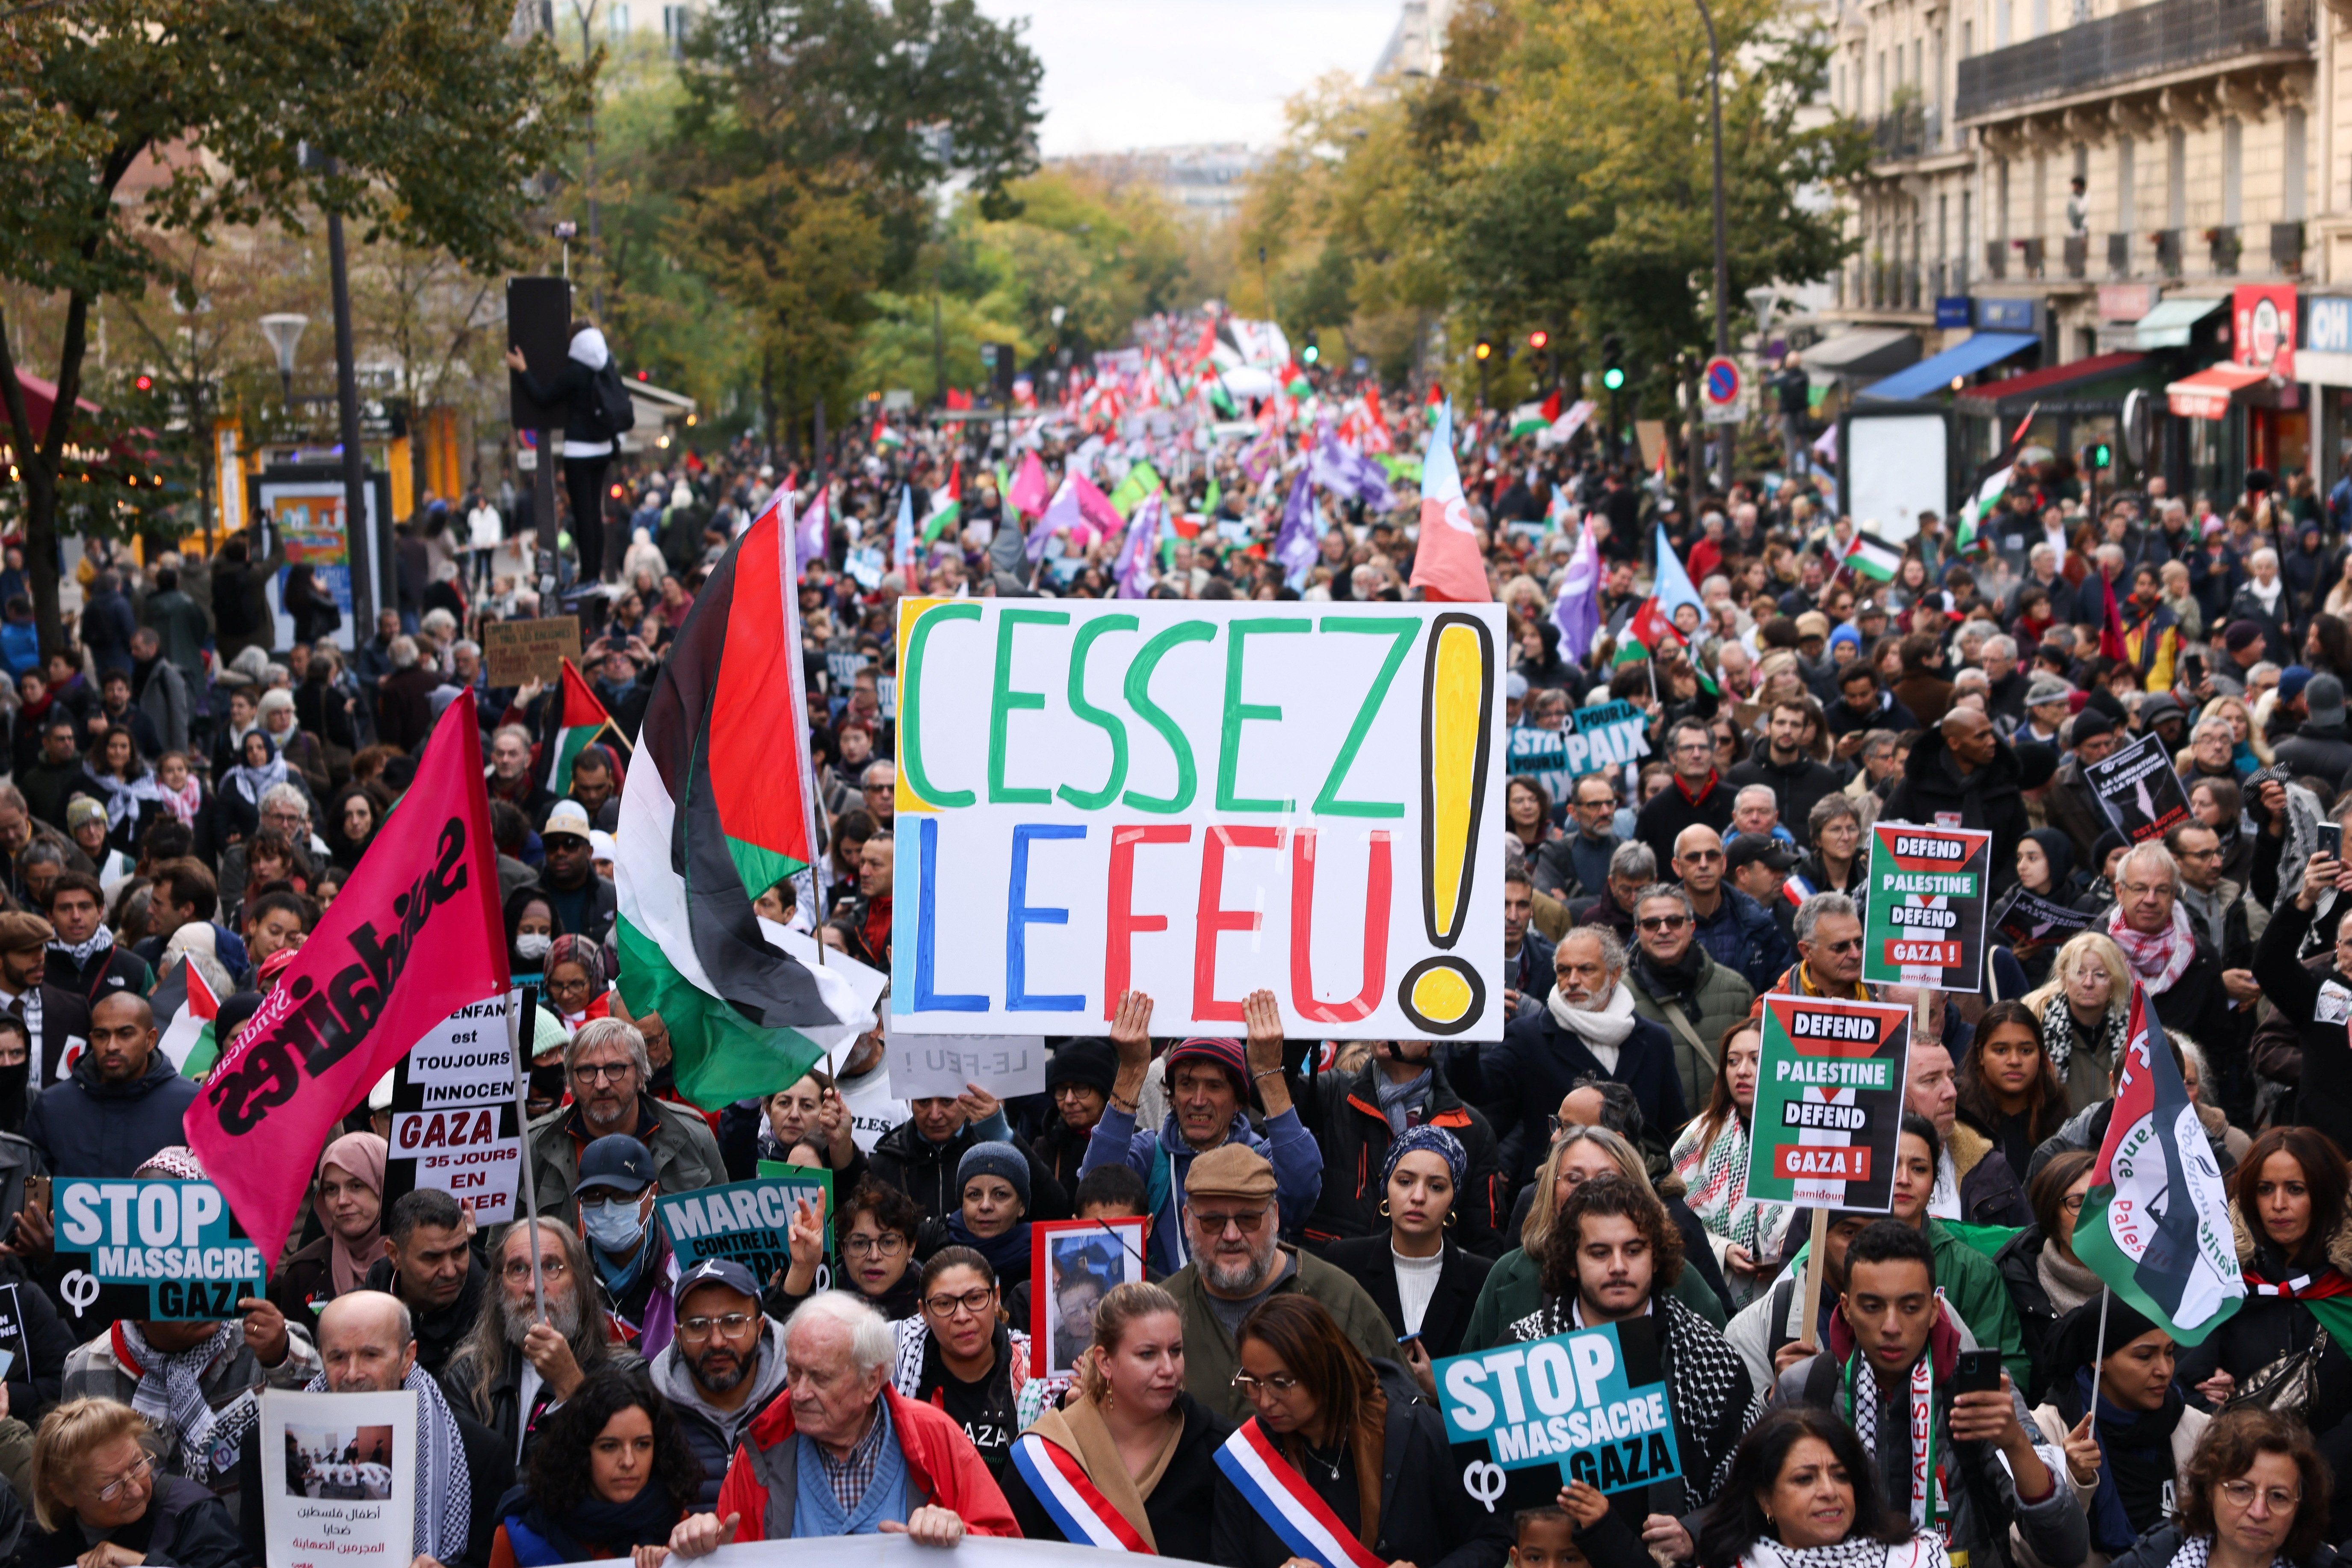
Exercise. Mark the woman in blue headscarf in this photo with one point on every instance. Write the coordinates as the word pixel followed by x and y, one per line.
pixel 1415 1271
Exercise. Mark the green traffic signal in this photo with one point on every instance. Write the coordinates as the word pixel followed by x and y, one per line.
pixel 2103 455
pixel 1312 353
pixel 1613 378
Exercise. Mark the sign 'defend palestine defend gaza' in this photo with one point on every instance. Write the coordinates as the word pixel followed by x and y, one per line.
pixel 1924 922
pixel 1829 1102
pixel 1197 800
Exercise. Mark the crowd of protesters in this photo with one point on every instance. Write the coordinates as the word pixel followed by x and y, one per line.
pixel 198 771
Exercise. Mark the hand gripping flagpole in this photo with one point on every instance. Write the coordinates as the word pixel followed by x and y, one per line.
pixel 522 1126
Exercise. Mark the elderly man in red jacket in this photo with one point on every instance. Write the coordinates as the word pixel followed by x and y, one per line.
pixel 844 1454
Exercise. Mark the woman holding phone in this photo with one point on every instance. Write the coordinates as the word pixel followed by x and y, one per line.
pixel 2321 1002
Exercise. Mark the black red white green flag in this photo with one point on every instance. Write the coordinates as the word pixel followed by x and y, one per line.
pixel 568 722
pixel 2156 1223
pixel 719 807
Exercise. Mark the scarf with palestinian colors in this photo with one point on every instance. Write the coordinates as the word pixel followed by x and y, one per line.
pixel 1716 1173
pixel 1930 1502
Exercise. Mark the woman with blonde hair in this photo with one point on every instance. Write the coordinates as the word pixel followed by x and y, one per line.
pixel 2083 1010
pixel 99 1497
pixel 1130 1461
pixel 2249 754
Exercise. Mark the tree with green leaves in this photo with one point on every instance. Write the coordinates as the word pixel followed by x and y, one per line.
pixel 122 121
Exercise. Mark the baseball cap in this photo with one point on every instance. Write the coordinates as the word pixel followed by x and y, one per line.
pixel 2323 698
pixel 617 1164
pixel 1747 848
pixel 568 817
pixel 722 1271
pixel 2240 636
pixel 2291 683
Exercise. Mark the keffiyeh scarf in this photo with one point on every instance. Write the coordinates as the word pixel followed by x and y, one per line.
pixel 1716 1173
pixel 1930 1502
pixel 81 953
pixel 182 803
pixel 2197 1552
pixel 1701 1372
pixel 2058 1027
pixel 445 1488
pixel 2157 962
pixel 1861 1551
pixel 171 1393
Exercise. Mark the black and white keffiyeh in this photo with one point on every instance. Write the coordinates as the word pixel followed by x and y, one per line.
pixel 1701 1372
pixel 1923 1550
pixel 445 1487
pixel 171 1393
pixel 2197 1552
pixel 2058 1028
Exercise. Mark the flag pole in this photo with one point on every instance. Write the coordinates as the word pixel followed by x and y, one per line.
pixel 2100 1354
pixel 522 1126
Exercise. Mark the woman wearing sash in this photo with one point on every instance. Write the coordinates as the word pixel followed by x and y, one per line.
pixel 1344 1464
pixel 1129 1463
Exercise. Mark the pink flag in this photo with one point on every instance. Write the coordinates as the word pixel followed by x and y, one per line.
pixel 1029 493
pixel 415 935
pixel 1096 508
pixel 1447 562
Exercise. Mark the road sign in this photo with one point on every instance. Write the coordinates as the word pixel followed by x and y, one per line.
pixel 1719 386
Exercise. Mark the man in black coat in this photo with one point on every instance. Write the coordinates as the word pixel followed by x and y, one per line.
pixel 363 1340
pixel 1783 766
pixel 1587 1028
pixel 1696 795
pixel 1963 775
pixel 2315 998
pixel 1349 1114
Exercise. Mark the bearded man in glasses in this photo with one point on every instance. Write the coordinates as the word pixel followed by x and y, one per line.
pixel 1231 1223
pixel 1678 984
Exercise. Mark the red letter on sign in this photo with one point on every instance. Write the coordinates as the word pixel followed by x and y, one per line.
pixel 1214 918
pixel 1119 920
pixel 1302 934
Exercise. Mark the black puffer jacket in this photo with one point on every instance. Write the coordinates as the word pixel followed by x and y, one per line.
pixel 926 1172
pixel 2037 1316
pixel 1343 1111
pixel 1991 798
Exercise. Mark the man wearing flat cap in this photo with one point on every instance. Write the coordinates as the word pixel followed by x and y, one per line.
pixel 1231 1222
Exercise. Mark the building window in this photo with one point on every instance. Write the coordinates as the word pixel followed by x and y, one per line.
pixel 2176 179
pixel 2000 20
pixel 2001 199
pixel 2125 207
pixel 2041 18
pixel 1967 40
pixel 620 20
pixel 2233 171
pixel 2296 175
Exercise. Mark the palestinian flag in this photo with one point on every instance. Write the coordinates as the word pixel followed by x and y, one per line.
pixel 1980 507
pixel 884 438
pixel 2156 1223
pixel 1873 558
pixel 568 722
pixel 187 1002
pixel 719 808
pixel 947 505
pixel 1530 418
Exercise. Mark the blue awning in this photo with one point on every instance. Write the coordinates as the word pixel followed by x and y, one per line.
pixel 1937 374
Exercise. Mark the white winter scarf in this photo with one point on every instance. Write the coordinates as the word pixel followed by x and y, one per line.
pixel 1604 1029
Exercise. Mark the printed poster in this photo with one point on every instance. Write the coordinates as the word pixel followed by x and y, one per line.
pixel 339 1478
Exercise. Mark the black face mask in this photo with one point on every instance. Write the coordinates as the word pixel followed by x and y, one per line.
pixel 546 1082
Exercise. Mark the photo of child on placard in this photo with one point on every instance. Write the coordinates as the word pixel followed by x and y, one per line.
pixel 1081 1262
pixel 325 1463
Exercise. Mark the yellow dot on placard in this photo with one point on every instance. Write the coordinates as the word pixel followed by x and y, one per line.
pixel 1441 995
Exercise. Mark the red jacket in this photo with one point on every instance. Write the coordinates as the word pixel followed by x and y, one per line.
pixel 942 1464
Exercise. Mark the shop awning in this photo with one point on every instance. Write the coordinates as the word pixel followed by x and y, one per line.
pixel 2167 326
pixel 1863 350
pixel 1986 396
pixel 1966 358
pixel 2209 394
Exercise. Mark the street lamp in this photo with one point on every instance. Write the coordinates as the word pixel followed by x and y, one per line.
pixel 284 331
pixel 1722 243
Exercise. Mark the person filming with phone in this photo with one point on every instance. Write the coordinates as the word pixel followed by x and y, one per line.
pixel 1899 1362
pixel 2318 996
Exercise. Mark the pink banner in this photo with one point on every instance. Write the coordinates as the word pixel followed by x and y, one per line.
pixel 415 935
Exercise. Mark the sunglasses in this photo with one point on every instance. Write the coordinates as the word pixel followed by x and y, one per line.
pixel 1655 923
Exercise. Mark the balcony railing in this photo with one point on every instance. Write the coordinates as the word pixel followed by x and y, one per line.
pixel 2141 41
pixel 2078 255
pixel 2120 255
pixel 2286 246
pixel 1912 131
pixel 2223 246
pixel 2167 251
pixel 1996 258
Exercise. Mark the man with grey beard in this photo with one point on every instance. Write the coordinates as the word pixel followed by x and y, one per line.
pixel 516 1366
pixel 1231 1225
pixel 726 1365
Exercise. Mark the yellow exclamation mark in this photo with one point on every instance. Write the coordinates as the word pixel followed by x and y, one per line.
pixel 1443 993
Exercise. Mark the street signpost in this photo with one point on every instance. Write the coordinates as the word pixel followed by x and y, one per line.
pixel 1720 387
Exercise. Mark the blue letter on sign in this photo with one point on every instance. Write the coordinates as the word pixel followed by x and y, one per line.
pixel 926 929
pixel 1019 917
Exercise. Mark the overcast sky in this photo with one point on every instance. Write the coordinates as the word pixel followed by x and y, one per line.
pixel 1152 73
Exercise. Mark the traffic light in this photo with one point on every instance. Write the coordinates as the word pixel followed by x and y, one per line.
pixel 1314 352
pixel 2101 455
pixel 145 383
pixel 1612 363
pixel 1538 340
pixel 1484 351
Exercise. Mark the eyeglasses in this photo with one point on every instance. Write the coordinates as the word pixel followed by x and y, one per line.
pixel 889 1244
pixel 732 1325
pixel 602 1072
pixel 2072 1202
pixel 1279 1383
pixel 1247 1223
pixel 519 1268
pixel 2240 1494
pixel 976 1302
pixel 1655 923
pixel 144 1467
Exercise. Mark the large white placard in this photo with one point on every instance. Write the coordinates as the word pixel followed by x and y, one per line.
pixel 339 1478
pixel 1197 800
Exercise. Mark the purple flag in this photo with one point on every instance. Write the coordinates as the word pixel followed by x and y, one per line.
pixel 1133 571
pixel 1344 472
pixel 1577 610
pixel 1062 512
pixel 1296 545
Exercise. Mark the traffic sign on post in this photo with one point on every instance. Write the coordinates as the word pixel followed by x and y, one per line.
pixel 1719 388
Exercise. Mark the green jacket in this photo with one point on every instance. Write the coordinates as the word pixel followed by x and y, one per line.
pixel 1514 1287
pixel 1211 1357
pixel 1720 998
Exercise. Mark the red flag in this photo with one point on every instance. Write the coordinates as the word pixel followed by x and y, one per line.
pixel 1650 628
pixel 958 401
pixel 2111 633
pixel 415 935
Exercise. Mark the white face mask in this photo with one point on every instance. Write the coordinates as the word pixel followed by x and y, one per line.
pixel 533 945
pixel 615 1227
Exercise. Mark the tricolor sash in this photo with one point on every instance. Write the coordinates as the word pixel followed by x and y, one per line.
pixel 1288 1505
pixel 1060 1485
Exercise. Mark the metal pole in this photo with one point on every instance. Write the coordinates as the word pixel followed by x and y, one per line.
pixel 522 1129
pixel 347 408
pixel 1722 238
